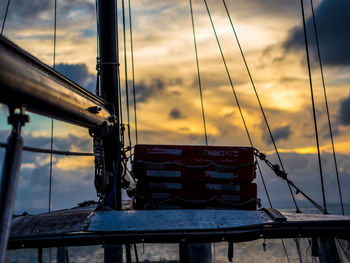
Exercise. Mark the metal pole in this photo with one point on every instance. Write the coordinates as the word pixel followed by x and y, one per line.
pixel 107 11
pixel 9 178
pixel 25 80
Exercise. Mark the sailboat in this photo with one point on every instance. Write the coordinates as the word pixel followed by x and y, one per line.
pixel 29 84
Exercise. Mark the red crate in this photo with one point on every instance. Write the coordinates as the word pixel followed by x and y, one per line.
pixel 195 195
pixel 194 163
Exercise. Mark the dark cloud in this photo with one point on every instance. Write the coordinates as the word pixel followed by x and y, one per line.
pixel 344 116
pixel 66 143
pixel 23 10
pixel 156 87
pixel 145 91
pixel 324 130
pixel 23 13
pixel 281 133
pixel 332 23
pixel 79 74
pixel 176 114
pixel 59 143
pixel 33 187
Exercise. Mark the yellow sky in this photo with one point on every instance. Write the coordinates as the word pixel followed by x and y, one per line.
pixel 163 45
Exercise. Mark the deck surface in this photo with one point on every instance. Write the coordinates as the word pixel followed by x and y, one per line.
pixel 89 225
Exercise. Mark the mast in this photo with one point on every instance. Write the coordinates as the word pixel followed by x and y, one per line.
pixel 107 16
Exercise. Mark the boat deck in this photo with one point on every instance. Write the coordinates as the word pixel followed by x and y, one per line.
pixel 92 225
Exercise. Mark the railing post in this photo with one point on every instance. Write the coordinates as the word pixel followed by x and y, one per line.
pixel 9 177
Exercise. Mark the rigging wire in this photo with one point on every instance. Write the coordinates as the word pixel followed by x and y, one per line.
pixel 50 178
pixel 236 99
pixel 280 173
pixel 259 102
pixel 326 102
pixel 41 150
pixel 285 250
pixel 313 107
pixel 133 73
pixel 251 143
pixel 297 243
pixel 229 75
pixel 264 184
pixel 51 139
pixel 198 74
pixel 4 21
pixel 98 59
pixel 126 76
pixel 119 84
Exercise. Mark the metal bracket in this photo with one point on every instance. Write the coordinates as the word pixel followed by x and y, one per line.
pixel 17 118
pixel 102 177
pixel 274 214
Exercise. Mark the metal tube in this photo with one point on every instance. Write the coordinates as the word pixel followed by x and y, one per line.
pixel 9 179
pixel 25 80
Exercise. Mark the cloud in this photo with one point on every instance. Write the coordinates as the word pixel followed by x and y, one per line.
pixel 79 74
pixel 38 12
pixel 69 186
pixel 29 10
pixel 146 91
pixel 153 88
pixel 298 166
pixel 68 143
pixel 344 116
pixel 332 24
pixel 281 133
pixel 266 8
pixel 176 114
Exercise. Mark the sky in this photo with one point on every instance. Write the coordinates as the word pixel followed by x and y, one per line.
pixel 167 92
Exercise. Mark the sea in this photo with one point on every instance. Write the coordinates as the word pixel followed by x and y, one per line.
pixel 261 250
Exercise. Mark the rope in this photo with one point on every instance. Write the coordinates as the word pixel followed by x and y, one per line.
pixel 50 180
pixel 51 139
pixel 259 102
pixel 297 244
pixel 126 76
pixel 39 150
pixel 327 109
pixel 313 106
pixel 217 166
pixel 133 73
pixel 236 98
pixel 285 250
pixel 119 83
pixel 98 59
pixel 4 21
pixel 136 254
pixel 198 74
pixel 228 74
pixel 265 187
pixel 276 169
pixel 54 36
